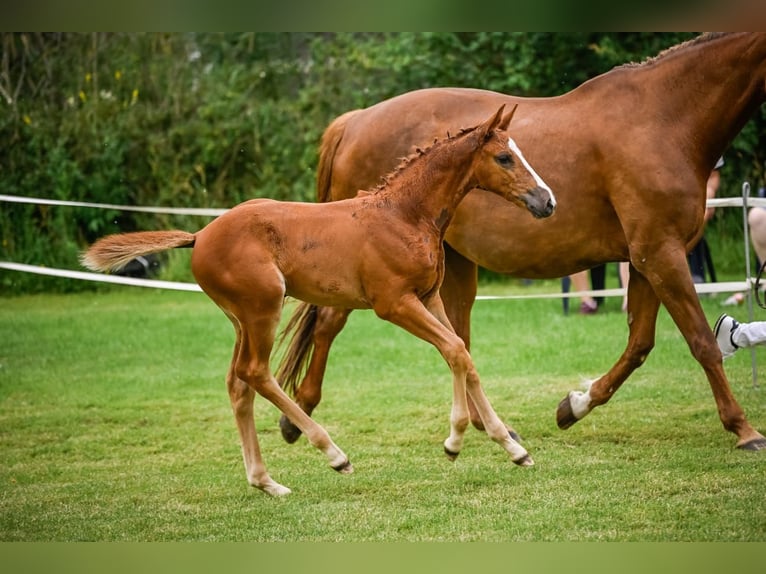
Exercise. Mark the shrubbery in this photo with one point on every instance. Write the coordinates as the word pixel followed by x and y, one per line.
pixel 208 120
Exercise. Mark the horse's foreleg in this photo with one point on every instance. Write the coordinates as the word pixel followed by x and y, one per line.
pixel 329 322
pixel 643 306
pixel 682 302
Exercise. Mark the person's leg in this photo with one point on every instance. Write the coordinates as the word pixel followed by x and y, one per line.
pixel 756 220
pixel 732 335
pixel 749 334
pixel 624 278
pixel 581 282
pixel 598 281
pixel 696 260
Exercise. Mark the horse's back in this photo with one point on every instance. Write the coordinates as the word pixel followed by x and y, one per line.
pixel 361 146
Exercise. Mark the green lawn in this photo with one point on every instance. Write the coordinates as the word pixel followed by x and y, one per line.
pixel 115 426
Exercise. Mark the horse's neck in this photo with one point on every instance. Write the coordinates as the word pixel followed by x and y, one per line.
pixel 431 191
pixel 710 89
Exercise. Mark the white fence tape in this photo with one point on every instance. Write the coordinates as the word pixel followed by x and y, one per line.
pixel 721 287
pixel 724 287
pixel 85 276
pixel 169 210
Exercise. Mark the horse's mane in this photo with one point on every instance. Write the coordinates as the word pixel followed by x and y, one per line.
pixel 419 152
pixel 701 39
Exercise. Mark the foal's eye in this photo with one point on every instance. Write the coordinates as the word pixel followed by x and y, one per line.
pixel 504 159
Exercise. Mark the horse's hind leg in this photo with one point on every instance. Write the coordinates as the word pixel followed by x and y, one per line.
pixel 329 322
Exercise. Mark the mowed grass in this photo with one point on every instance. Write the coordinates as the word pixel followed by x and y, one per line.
pixel 115 425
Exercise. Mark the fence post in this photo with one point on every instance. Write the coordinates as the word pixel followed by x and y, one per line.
pixel 750 294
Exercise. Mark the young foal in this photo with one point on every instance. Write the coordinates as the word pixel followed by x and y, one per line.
pixel 381 250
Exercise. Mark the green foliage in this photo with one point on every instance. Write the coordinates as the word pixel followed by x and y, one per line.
pixel 209 120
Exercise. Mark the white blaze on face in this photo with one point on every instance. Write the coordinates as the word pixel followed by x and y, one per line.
pixel 539 180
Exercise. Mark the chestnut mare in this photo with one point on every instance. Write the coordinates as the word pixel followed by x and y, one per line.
pixel 381 250
pixel 628 153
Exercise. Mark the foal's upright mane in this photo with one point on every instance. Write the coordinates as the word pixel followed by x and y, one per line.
pixel 405 162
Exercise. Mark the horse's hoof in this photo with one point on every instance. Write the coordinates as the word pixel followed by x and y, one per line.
pixel 290 432
pixel 344 467
pixel 451 454
pixel 754 445
pixel 565 417
pixel 525 460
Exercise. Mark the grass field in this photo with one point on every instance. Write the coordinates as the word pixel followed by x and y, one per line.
pixel 115 426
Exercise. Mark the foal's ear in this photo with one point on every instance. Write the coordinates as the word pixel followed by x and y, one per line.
pixel 493 122
pixel 503 125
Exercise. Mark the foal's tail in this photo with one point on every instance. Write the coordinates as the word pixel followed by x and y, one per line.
pixel 327 148
pixel 113 252
pixel 300 348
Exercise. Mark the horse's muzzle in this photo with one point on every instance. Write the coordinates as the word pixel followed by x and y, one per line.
pixel 540 202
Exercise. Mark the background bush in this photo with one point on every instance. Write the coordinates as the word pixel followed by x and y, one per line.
pixel 208 120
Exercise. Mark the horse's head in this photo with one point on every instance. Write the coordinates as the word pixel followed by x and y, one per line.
pixel 502 169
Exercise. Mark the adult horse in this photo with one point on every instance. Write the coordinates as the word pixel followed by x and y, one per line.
pixel 628 153
pixel 381 250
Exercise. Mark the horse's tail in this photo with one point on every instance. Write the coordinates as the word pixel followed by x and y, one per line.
pixel 300 327
pixel 300 349
pixel 113 252
pixel 327 148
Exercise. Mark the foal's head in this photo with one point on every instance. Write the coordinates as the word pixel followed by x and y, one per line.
pixel 500 167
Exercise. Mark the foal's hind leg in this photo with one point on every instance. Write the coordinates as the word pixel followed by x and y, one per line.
pixel 252 366
pixel 242 397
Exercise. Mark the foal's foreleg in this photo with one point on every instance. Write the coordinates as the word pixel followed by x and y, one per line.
pixel 430 324
pixel 495 428
pixel 458 293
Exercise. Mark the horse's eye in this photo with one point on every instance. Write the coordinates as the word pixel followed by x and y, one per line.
pixel 504 159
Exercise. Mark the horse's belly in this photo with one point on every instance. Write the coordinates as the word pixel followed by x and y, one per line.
pixel 506 239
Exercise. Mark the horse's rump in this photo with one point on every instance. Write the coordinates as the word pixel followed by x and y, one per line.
pixel 329 145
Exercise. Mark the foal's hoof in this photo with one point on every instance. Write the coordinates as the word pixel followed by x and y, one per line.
pixel 275 489
pixel 525 460
pixel 565 417
pixel 290 432
pixel 754 445
pixel 344 467
pixel 451 454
